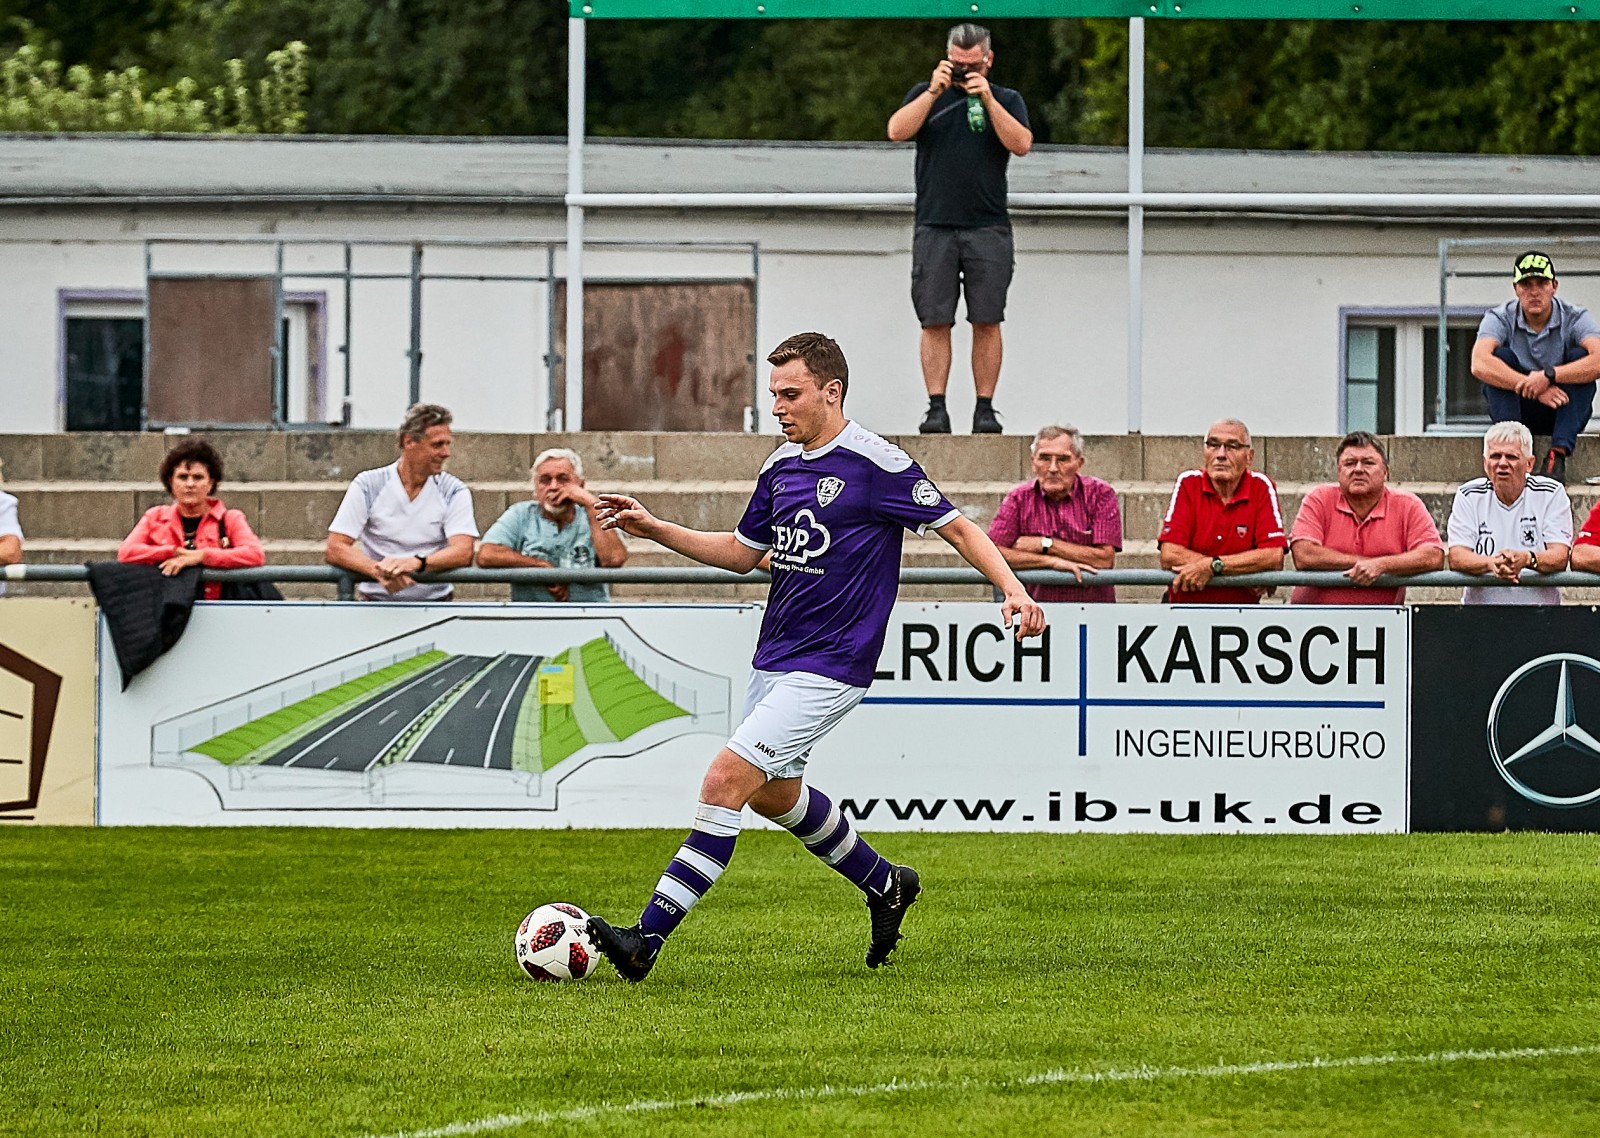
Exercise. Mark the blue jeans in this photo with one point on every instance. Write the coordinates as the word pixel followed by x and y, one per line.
pixel 1562 424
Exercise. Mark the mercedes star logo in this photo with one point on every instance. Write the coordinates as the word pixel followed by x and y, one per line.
pixel 1564 731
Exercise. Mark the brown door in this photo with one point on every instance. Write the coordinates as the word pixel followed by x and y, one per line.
pixel 211 342
pixel 664 355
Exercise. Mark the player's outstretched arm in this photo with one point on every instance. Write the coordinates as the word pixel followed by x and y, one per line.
pixel 974 545
pixel 719 550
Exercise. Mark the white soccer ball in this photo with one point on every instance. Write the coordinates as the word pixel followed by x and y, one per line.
pixel 553 943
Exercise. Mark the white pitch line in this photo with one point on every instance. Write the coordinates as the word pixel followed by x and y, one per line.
pixel 1055 1077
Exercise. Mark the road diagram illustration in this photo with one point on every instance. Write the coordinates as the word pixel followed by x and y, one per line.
pixel 467 713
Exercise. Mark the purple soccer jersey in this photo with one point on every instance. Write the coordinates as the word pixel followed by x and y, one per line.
pixel 834 518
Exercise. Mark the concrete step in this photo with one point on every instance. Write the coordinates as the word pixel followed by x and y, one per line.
pixel 323 456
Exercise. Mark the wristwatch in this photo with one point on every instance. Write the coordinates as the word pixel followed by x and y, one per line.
pixel 422 563
pixel 1045 543
pixel 1216 566
pixel 1550 374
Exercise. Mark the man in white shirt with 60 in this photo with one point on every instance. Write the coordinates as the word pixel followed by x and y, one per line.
pixel 1510 521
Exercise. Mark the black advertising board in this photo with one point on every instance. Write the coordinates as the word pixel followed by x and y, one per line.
pixel 1505 718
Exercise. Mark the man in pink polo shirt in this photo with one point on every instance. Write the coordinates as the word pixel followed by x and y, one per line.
pixel 1063 519
pixel 1361 526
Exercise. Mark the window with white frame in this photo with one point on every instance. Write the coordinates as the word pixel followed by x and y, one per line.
pixel 1391 371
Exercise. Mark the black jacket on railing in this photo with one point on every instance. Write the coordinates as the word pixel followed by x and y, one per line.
pixel 146 612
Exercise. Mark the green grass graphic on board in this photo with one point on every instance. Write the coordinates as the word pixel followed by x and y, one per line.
pixel 610 703
pixel 255 737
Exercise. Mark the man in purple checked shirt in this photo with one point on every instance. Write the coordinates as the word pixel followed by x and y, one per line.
pixel 831 505
pixel 1063 519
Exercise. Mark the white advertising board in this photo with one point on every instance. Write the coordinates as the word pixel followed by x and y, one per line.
pixel 1131 718
pixel 1123 718
pixel 425 715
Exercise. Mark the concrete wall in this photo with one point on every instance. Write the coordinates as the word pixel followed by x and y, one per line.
pixel 1242 316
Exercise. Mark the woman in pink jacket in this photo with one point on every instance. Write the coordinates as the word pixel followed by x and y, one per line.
pixel 196 529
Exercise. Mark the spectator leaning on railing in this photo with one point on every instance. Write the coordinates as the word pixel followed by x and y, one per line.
pixel 1510 521
pixel 1222 519
pixel 1365 528
pixel 1063 519
pixel 195 529
pixel 556 529
pixel 410 517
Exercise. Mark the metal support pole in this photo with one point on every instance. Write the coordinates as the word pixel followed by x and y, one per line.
pixel 347 412
pixel 280 354
pixel 551 359
pixel 1441 402
pixel 415 351
pixel 1136 226
pixel 572 369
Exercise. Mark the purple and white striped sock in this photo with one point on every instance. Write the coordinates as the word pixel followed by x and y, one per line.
pixel 692 870
pixel 816 821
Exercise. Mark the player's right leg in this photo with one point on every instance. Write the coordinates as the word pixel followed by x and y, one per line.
pixel 694 869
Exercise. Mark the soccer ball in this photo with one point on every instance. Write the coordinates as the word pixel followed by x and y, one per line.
pixel 553 943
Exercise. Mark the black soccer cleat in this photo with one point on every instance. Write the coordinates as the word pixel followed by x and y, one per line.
pixel 629 949
pixel 889 910
pixel 1554 464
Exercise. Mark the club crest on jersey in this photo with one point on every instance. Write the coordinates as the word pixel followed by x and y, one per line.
pixel 1529 536
pixel 925 493
pixel 828 489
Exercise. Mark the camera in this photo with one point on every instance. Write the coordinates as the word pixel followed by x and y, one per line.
pixel 959 73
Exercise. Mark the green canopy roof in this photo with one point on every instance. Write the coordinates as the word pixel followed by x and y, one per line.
pixel 979 10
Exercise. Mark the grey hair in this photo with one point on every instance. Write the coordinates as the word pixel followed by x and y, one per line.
pixel 554 453
pixel 968 35
pixel 1244 430
pixel 1509 431
pixel 421 416
pixel 1056 431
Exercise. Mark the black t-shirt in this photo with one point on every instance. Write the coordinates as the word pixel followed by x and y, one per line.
pixel 961 172
pixel 191 526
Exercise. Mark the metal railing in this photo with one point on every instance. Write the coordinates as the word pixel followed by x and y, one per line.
pixel 346 581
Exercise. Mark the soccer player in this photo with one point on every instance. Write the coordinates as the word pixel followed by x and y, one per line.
pixel 831 505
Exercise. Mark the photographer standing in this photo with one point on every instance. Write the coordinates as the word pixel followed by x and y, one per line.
pixel 966 131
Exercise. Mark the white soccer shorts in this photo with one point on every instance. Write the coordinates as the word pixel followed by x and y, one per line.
pixel 785 715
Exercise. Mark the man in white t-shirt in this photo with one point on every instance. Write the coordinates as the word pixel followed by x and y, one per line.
pixel 409 517
pixel 10 534
pixel 1509 522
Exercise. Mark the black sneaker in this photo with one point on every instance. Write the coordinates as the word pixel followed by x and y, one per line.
pixel 935 422
pixel 889 910
pixel 985 422
pixel 633 953
pixel 1554 465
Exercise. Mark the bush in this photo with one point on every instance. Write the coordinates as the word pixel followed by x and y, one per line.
pixel 35 95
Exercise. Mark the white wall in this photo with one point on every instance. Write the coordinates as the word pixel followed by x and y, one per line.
pixel 1241 316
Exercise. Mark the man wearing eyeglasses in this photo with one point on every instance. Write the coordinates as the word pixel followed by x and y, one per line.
pixel 1363 528
pixel 1538 358
pixel 1063 519
pixel 1223 520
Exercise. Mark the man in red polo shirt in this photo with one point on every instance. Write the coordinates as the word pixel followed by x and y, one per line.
pixel 1063 519
pixel 1223 520
pixel 1361 526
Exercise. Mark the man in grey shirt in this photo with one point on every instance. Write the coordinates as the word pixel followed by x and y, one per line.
pixel 555 529
pixel 1538 358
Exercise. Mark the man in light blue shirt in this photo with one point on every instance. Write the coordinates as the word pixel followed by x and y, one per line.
pixel 1538 358
pixel 555 529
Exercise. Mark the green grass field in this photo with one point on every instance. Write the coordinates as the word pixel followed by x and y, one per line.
pixel 361 982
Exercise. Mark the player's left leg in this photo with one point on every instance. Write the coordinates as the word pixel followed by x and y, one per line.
pixel 813 818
